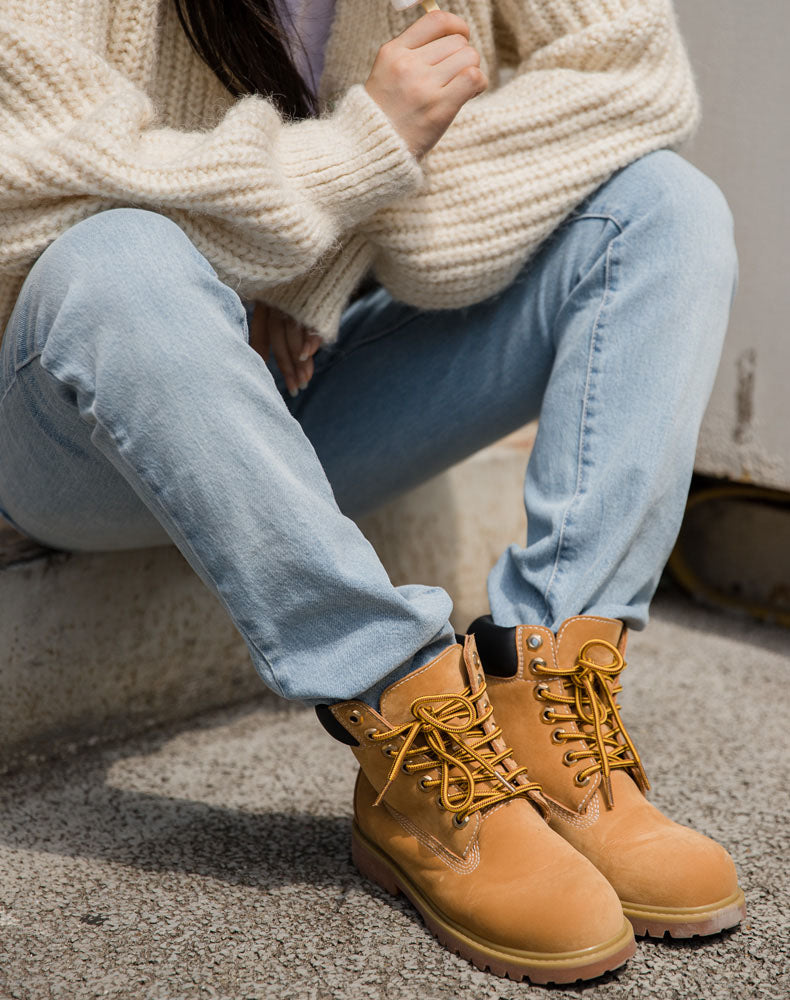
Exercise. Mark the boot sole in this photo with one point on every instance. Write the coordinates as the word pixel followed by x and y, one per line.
pixel 537 967
pixel 679 922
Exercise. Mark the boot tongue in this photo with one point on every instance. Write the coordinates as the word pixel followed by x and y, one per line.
pixel 576 631
pixel 447 673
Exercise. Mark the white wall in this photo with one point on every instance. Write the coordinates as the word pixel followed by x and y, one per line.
pixel 739 49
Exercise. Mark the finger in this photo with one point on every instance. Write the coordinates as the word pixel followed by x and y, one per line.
pixel 305 371
pixel 295 338
pixel 311 345
pixel 432 25
pixel 282 355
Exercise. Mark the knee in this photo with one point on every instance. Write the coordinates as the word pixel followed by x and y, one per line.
pixel 125 275
pixel 689 218
pixel 116 254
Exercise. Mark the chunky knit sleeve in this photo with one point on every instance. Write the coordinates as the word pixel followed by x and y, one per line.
pixel 317 299
pixel 598 83
pixel 263 198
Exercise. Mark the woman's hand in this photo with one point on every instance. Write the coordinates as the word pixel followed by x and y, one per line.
pixel 423 77
pixel 273 332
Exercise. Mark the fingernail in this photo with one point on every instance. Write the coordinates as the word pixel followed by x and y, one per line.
pixel 303 385
pixel 304 355
pixel 294 393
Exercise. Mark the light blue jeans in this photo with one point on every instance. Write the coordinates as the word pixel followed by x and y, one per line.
pixel 133 413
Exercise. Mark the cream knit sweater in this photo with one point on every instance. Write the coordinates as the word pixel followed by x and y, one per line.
pixel 103 103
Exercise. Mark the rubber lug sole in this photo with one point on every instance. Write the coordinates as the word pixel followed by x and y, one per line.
pixel 537 967
pixel 690 922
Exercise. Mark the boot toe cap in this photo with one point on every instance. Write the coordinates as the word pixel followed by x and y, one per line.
pixel 550 899
pixel 673 867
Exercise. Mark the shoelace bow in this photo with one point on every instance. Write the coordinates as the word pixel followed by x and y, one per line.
pixel 593 703
pixel 452 737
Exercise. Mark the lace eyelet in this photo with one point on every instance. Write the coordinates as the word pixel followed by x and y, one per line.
pixel 535 663
pixel 423 783
pixel 405 768
pixel 370 733
pixel 439 802
pixel 548 715
pixel 582 781
pixel 568 759
pixel 540 690
pixel 535 641
pixel 389 751
pixel 355 718
pixel 555 736
pixel 459 824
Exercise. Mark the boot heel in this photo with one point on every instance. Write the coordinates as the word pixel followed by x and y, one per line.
pixel 372 867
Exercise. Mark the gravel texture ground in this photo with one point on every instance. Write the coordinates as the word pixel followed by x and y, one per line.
pixel 213 860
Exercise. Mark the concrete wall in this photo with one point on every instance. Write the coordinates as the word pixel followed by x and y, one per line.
pixel 98 646
pixel 739 51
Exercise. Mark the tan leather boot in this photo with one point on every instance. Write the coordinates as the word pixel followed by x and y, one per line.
pixel 445 816
pixel 555 699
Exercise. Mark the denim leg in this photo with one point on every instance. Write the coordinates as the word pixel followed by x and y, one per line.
pixel 611 334
pixel 638 341
pixel 130 392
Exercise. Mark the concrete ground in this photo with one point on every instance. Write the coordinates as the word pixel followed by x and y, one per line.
pixel 212 859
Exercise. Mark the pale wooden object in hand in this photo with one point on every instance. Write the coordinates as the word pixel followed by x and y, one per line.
pixel 407 4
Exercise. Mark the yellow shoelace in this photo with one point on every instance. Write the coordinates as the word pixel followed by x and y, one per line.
pixel 448 732
pixel 593 704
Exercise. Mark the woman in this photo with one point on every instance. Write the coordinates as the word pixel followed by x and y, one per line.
pixel 539 250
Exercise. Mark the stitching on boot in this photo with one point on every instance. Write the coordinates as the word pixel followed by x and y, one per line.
pixel 576 618
pixel 462 867
pixel 520 649
pixel 581 821
pixel 494 809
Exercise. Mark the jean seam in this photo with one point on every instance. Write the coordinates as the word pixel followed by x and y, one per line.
pixel 599 215
pixel 584 424
pixel 18 367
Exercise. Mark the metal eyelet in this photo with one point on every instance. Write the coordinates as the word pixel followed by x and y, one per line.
pixel 539 691
pixel 548 715
pixel 555 736
pixel 423 783
pixel 568 759
pixel 459 824
pixel 355 718
pixel 535 641
pixel 370 733
pixel 535 663
pixel 389 751
pixel 581 781
pixel 405 768
pixel 439 802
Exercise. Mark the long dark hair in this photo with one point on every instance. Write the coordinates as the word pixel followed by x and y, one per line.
pixel 246 44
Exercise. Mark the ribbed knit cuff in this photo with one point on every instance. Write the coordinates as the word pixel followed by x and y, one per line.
pixel 317 299
pixel 352 162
